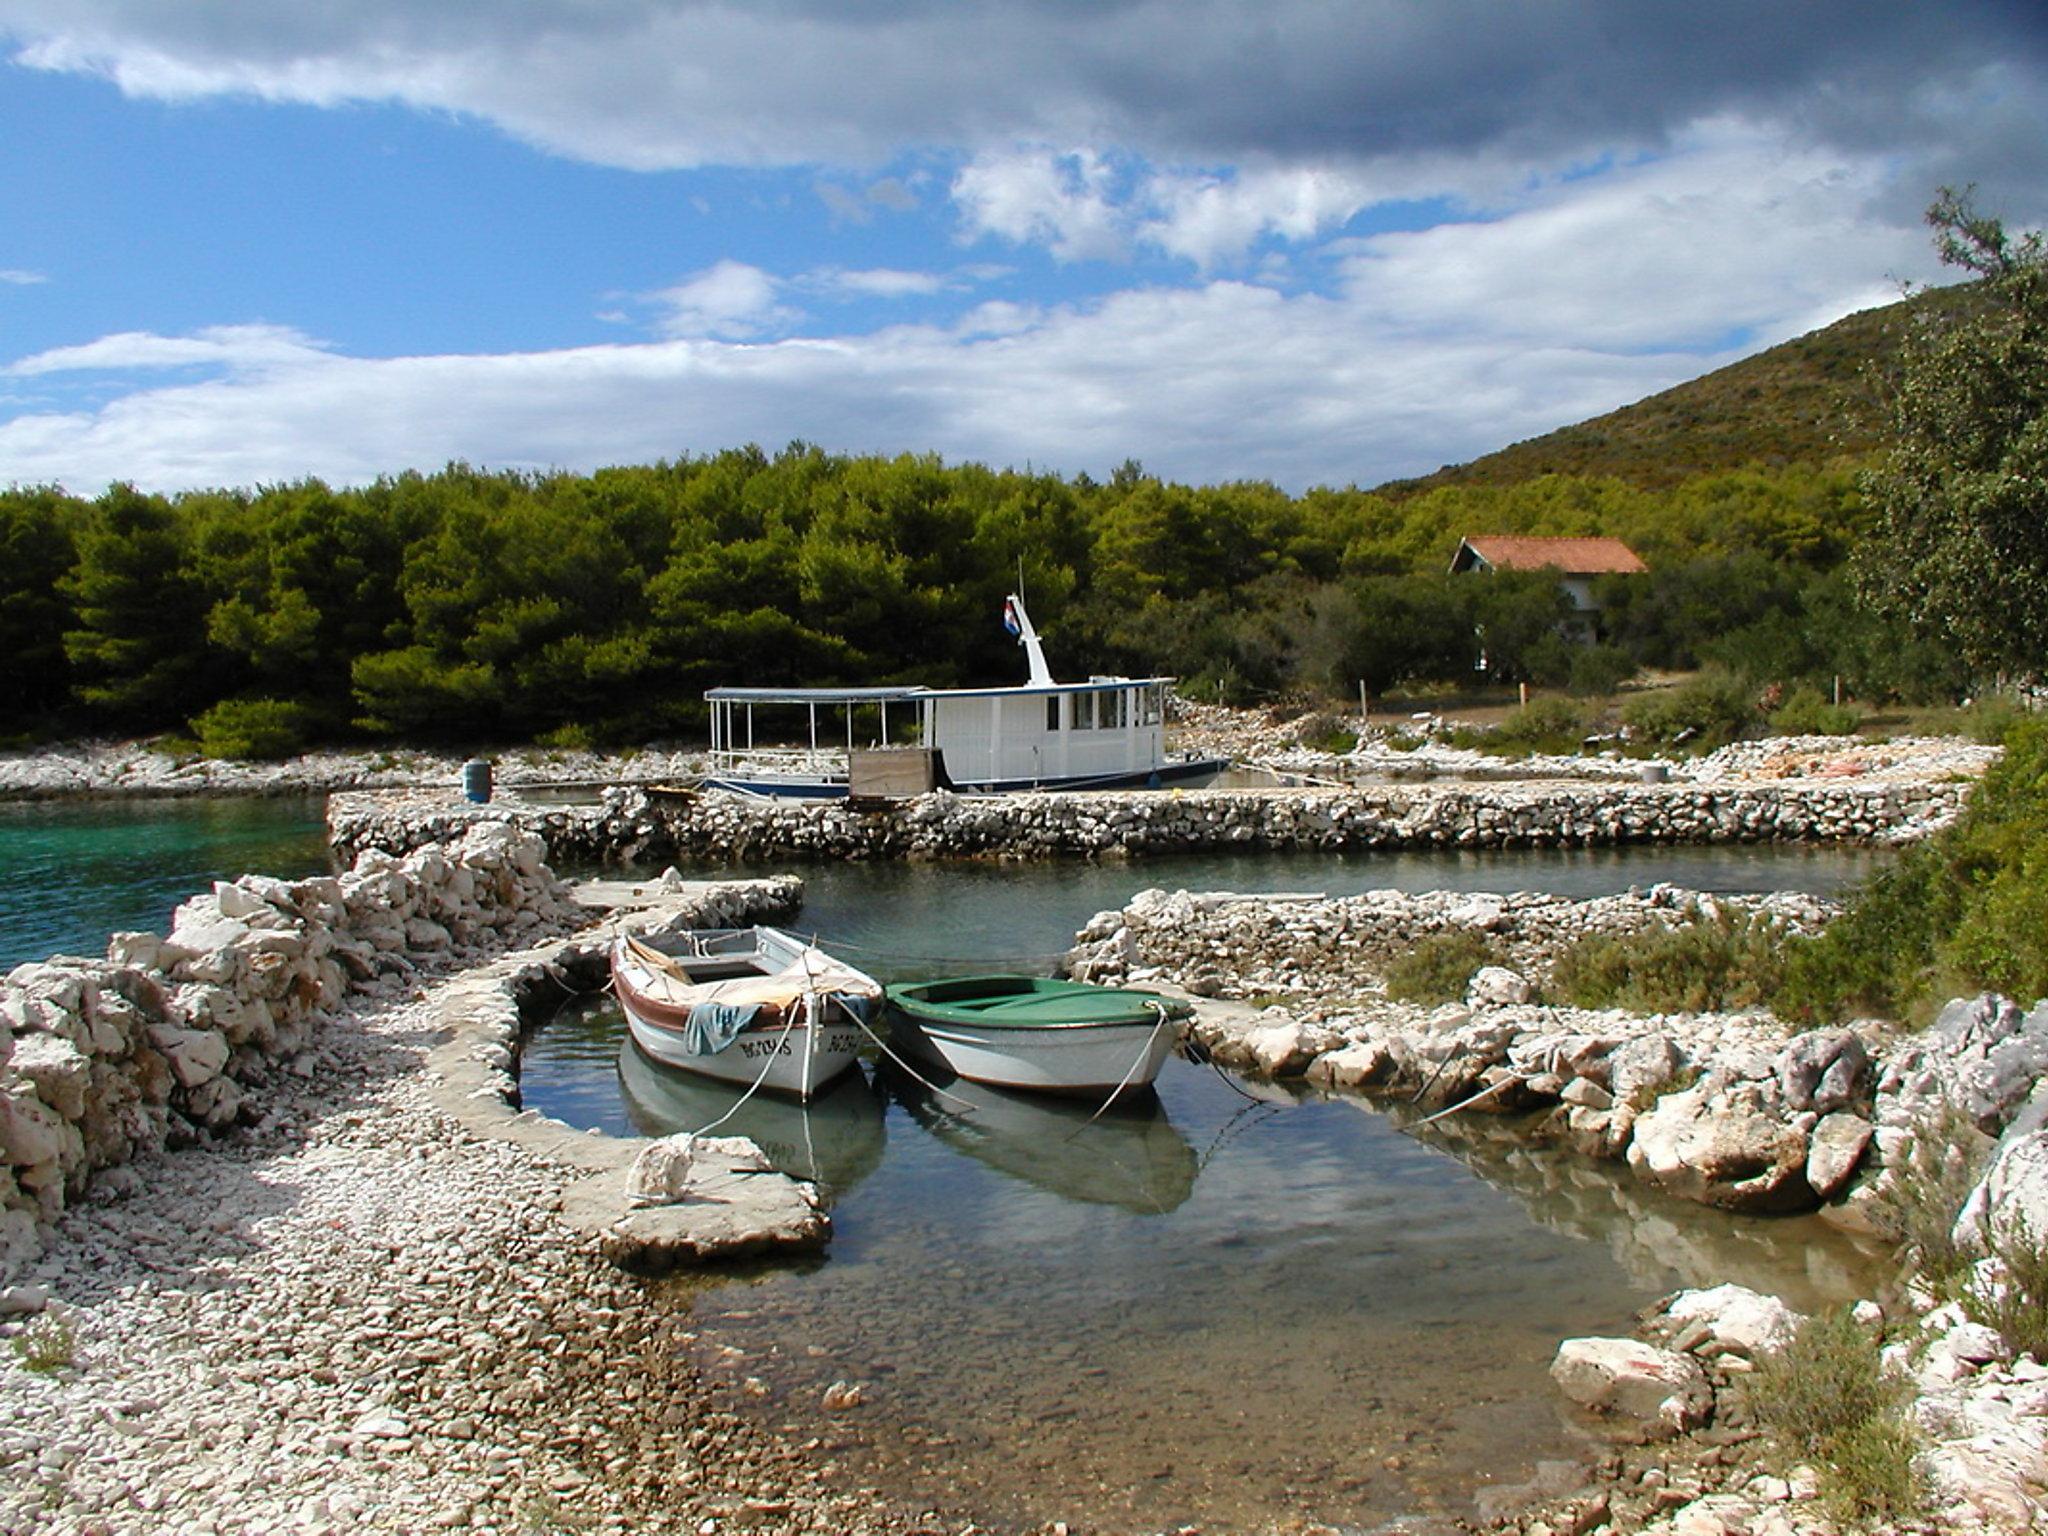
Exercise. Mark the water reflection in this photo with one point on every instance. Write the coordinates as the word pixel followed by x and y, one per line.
pixel 835 1140
pixel 1129 1155
pixel 1656 1239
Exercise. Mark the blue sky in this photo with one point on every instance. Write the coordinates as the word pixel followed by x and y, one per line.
pixel 1295 241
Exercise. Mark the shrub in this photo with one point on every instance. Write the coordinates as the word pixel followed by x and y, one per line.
pixel 1710 711
pixel 1806 713
pixel 1826 1397
pixel 1325 733
pixel 1730 960
pixel 1439 965
pixel 567 738
pixel 1598 670
pixel 252 728
pixel 1543 725
pixel 1966 911
pixel 2017 1305
pixel 47 1345
pixel 1921 1200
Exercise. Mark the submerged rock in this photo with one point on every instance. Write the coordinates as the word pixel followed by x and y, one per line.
pixel 1648 1392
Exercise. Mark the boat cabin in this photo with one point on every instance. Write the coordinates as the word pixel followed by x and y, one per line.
pixel 1108 732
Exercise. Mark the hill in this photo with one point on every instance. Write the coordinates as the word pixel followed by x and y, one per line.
pixel 1811 400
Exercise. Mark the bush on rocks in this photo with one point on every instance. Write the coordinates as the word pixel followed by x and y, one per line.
pixel 1966 911
pixel 1827 1397
pixel 1712 963
pixel 1439 965
pixel 265 729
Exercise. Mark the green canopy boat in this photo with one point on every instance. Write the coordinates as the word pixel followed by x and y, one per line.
pixel 1039 1033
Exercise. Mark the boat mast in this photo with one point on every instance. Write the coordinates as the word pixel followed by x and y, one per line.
pixel 1027 637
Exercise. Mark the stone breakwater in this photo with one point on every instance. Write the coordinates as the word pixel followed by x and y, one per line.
pixel 627 825
pixel 171 1039
pixel 140 768
pixel 1735 1111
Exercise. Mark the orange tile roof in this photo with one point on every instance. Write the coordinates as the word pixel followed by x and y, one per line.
pixel 1574 557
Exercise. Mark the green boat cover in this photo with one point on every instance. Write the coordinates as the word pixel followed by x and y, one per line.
pixel 1031 1002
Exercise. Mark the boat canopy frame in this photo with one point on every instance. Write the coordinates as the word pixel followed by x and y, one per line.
pixel 734 747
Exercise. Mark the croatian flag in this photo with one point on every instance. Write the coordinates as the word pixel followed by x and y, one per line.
pixel 1010 620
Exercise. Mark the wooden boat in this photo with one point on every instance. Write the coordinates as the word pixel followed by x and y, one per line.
pixel 1106 733
pixel 1044 1035
pixel 744 1005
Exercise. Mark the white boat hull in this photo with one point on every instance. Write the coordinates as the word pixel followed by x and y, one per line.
pixel 1081 1058
pixel 797 1061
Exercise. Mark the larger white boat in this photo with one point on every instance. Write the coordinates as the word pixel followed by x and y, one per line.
pixel 1106 733
pixel 751 1006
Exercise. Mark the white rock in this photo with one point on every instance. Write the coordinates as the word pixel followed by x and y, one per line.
pixel 1658 1391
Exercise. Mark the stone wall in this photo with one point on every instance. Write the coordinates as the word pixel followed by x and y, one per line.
pixel 169 1040
pixel 629 825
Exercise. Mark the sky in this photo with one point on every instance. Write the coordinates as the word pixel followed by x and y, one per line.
pixel 1315 242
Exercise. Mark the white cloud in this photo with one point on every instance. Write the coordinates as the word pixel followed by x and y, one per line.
pixel 20 279
pixel 875 283
pixel 1067 201
pixel 1207 218
pixel 1432 347
pixel 238 348
pixel 730 299
pixel 1726 234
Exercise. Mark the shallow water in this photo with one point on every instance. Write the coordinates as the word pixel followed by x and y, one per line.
pixel 1222 1306
pixel 72 872
pixel 1207 1309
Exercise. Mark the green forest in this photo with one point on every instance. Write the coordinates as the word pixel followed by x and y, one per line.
pixel 479 607
pixel 467 606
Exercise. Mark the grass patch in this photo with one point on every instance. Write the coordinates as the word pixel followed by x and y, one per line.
pixel 1827 1398
pixel 1439 965
pixel 47 1345
pixel 1708 964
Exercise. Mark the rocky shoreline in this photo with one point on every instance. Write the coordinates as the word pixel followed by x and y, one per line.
pixel 390 1320
pixel 1737 1111
pixel 1385 753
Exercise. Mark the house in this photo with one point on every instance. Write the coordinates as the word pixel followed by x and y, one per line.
pixel 1576 561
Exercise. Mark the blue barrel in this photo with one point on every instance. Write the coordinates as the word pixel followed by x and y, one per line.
pixel 476 781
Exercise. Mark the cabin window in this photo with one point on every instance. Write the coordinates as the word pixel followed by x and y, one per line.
pixel 1084 711
pixel 1149 705
pixel 1113 709
pixel 1052 712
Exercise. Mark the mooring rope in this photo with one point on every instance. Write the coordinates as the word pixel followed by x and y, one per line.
pixel 1144 1051
pixel 882 1046
pixel 1466 1103
pixel 767 1063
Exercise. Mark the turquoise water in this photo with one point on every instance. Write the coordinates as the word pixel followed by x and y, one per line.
pixel 73 872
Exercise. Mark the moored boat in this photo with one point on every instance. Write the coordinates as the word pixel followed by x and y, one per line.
pixel 752 1006
pixel 1040 1034
pixel 1106 733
